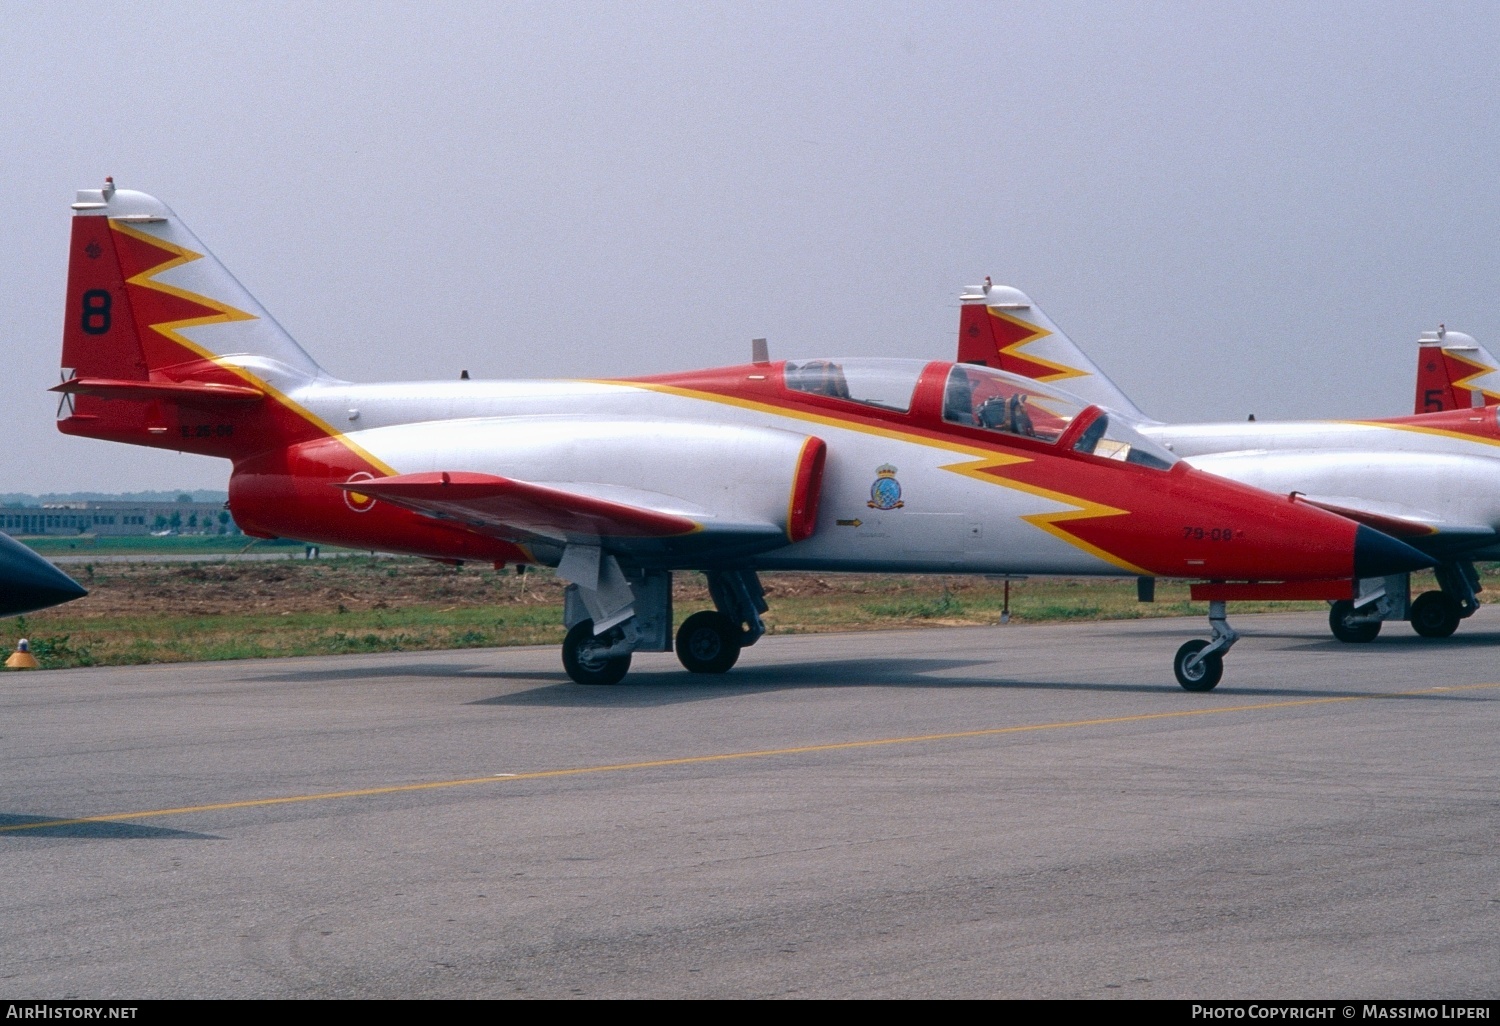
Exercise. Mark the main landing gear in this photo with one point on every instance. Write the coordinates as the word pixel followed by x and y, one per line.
pixel 1434 614
pixel 710 641
pixel 635 610
pixel 1199 664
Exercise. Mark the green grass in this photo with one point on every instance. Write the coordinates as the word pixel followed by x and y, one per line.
pixel 126 640
pixel 494 612
pixel 139 545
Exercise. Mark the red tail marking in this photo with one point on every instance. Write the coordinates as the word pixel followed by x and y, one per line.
pixel 1434 384
pixel 989 337
pixel 99 337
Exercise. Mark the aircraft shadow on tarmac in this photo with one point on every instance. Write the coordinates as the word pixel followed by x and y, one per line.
pixel 343 673
pixel 1404 641
pixel 645 688
pixel 96 830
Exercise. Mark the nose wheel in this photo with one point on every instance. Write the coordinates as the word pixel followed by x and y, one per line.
pixel 1196 671
pixel 1199 664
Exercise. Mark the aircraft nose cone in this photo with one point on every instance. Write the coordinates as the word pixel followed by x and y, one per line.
pixel 29 582
pixel 1377 554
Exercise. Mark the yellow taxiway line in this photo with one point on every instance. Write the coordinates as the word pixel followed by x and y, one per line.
pixel 698 760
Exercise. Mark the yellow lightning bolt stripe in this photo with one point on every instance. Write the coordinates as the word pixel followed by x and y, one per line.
pixel 1083 509
pixel 1423 430
pixel 1481 370
pixel 170 329
pixel 1062 371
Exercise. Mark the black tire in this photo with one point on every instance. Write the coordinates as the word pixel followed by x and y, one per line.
pixel 1435 615
pixel 1353 633
pixel 583 665
pixel 708 642
pixel 1203 677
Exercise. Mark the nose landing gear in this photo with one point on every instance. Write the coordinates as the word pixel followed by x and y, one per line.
pixel 1199 664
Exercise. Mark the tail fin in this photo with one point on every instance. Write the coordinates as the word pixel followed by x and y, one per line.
pixel 161 345
pixel 1000 327
pixel 1454 372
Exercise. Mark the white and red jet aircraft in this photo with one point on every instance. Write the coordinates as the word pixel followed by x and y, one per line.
pixel 1432 479
pixel 827 465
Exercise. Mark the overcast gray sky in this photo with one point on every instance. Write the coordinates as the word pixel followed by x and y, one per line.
pixel 1233 208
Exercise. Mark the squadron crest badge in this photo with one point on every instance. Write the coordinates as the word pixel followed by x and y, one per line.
pixel 885 492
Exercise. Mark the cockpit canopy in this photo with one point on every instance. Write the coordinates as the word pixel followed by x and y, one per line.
pixel 981 397
pixel 887 384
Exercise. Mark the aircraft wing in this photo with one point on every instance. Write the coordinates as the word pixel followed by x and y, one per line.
pixel 618 518
pixel 1426 531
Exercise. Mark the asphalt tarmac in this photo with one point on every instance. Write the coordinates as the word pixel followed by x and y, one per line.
pixel 1020 811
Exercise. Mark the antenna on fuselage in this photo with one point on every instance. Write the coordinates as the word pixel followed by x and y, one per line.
pixel 759 351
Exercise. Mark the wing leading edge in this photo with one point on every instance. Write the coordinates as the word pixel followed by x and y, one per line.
pixel 616 518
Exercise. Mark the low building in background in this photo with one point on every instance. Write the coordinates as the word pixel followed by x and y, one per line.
pixel 117 518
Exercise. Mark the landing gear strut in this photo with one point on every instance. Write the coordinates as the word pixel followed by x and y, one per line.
pixel 1433 614
pixel 1199 664
pixel 611 612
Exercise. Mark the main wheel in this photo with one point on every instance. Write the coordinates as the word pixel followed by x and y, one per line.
pixel 708 642
pixel 1354 633
pixel 583 660
pixel 1203 676
pixel 1435 615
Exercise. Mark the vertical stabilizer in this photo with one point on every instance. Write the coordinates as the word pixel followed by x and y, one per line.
pixel 1454 372
pixel 1001 327
pixel 162 346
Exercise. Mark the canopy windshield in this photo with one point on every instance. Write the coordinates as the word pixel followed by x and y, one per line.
pixel 996 401
pixel 1110 437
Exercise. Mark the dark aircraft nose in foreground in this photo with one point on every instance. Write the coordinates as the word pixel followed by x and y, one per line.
pixel 27 581
pixel 1377 555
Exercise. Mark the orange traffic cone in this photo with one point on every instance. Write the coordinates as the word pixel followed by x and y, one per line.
pixel 21 658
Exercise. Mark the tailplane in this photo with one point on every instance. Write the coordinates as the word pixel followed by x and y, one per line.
pixel 161 345
pixel 1454 372
pixel 1001 327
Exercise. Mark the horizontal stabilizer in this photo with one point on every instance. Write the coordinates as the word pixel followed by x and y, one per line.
pixel 195 392
pixel 519 508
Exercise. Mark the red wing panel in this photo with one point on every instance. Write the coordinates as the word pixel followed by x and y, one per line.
pixel 1396 527
pixel 522 507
